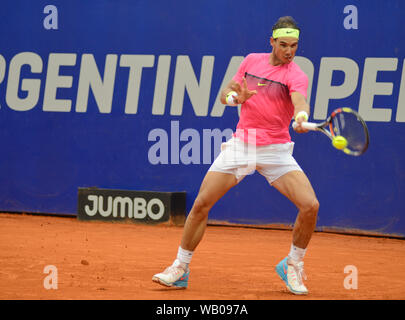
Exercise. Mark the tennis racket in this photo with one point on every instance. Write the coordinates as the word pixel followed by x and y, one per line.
pixel 346 129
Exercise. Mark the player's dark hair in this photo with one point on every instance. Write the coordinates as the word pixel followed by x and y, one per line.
pixel 286 22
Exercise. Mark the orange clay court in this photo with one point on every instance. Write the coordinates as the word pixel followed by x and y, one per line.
pixel 100 260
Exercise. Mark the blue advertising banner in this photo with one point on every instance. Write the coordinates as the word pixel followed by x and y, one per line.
pixel 125 95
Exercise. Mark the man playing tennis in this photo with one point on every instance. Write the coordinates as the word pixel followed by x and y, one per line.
pixel 272 90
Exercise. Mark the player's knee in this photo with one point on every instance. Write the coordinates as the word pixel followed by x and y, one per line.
pixel 311 207
pixel 201 207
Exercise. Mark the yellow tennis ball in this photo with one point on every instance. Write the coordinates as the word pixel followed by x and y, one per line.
pixel 339 142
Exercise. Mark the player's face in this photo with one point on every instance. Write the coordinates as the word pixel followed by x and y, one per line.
pixel 284 48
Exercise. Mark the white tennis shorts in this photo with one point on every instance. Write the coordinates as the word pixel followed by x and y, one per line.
pixel 241 159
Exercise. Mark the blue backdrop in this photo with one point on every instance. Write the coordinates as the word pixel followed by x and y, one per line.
pixel 91 90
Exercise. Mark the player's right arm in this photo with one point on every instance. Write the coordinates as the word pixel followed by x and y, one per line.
pixel 228 88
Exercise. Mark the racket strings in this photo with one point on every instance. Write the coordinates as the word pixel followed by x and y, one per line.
pixel 349 126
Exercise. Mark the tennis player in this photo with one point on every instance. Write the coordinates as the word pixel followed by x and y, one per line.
pixel 272 90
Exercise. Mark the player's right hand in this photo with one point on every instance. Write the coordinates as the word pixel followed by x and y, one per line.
pixel 243 91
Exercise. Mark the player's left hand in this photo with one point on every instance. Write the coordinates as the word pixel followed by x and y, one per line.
pixel 299 128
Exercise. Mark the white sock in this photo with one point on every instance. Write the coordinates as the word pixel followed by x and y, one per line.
pixel 184 256
pixel 296 254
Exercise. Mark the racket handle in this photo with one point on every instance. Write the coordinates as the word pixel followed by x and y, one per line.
pixel 306 125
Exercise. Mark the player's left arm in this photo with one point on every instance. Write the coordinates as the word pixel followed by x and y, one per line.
pixel 300 105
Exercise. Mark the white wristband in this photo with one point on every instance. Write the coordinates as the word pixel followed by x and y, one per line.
pixel 302 114
pixel 230 98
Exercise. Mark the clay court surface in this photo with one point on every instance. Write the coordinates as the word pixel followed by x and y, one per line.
pixel 100 260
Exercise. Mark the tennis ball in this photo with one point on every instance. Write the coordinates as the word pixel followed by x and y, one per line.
pixel 339 142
